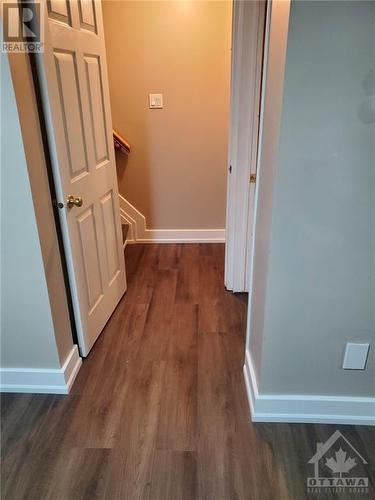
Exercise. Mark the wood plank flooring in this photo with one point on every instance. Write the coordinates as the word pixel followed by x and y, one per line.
pixel 159 408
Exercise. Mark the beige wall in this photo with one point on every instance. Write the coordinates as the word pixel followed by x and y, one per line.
pixel 176 172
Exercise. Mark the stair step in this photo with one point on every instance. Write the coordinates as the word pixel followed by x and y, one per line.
pixel 125 229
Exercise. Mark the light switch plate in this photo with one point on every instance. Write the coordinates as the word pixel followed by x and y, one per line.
pixel 355 356
pixel 155 101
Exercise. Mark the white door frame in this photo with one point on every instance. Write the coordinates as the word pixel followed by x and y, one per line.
pixel 246 74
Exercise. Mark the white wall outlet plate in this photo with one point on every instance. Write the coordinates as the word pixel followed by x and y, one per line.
pixel 355 356
pixel 155 101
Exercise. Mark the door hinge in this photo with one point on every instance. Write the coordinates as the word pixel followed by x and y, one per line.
pixel 230 169
pixel 253 178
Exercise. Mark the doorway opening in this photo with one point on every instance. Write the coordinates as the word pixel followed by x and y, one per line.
pixel 164 81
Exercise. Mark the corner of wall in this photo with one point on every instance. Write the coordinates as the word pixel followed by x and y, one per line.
pixel 36 357
pixel 28 114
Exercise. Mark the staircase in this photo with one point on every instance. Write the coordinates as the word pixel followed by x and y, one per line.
pixel 138 231
pixel 125 229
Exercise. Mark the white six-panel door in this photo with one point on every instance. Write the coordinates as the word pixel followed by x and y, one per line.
pixel 73 75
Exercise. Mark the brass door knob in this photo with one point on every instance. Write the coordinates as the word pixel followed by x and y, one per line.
pixel 74 201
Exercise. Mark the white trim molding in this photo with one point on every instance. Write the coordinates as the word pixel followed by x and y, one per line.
pixel 294 408
pixel 42 380
pixel 138 232
pixel 125 219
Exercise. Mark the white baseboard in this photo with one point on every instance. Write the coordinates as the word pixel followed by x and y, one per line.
pixel 305 408
pixel 140 233
pixel 42 380
pixel 183 236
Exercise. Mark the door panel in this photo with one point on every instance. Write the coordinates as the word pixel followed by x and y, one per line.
pixel 90 257
pixel 96 102
pixel 59 10
pixel 109 221
pixel 87 14
pixel 74 84
pixel 67 78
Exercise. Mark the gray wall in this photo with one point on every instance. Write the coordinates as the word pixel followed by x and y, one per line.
pixel 37 170
pixel 27 331
pixel 320 272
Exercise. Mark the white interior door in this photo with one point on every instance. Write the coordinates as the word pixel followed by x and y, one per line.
pixel 73 75
pixel 247 55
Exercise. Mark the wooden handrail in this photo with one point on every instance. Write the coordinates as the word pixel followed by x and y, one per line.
pixel 120 143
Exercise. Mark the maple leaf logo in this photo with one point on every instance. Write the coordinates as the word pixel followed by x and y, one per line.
pixel 341 464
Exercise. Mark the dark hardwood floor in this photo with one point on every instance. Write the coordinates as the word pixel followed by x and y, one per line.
pixel 159 409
